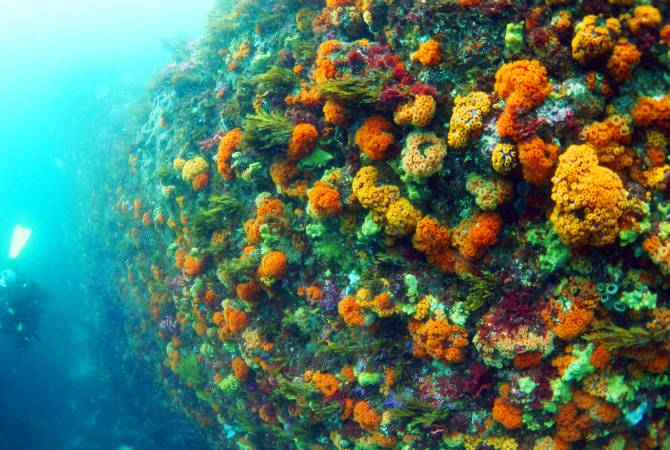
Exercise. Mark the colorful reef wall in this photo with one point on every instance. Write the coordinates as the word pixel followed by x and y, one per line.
pixel 365 224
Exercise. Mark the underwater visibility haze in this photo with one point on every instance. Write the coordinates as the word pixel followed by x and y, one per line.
pixel 336 224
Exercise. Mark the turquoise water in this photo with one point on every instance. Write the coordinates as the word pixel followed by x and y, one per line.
pixel 72 73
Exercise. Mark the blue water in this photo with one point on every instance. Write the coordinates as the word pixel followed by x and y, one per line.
pixel 73 73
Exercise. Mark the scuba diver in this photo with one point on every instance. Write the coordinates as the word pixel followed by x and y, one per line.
pixel 21 305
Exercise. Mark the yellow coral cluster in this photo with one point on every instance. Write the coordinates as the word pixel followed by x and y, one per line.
pixel 389 209
pixel 591 41
pixel 609 138
pixel 193 167
pixel 381 304
pixel 467 117
pixel 423 154
pixel 624 57
pixel 440 340
pixel 504 158
pixel 418 112
pixel 589 199
pixel 489 193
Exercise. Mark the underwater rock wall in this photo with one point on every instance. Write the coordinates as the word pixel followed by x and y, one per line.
pixel 404 224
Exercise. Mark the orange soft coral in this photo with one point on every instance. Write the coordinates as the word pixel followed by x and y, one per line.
pixel 374 137
pixel 418 112
pixel 589 199
pixel 506 414
pixel 440 340
pixel 430 237
pixel 592 42
pixel 366 416
pixel 523 85
pixel 527 360
pixel 646 17
pixel 648 112
pixel 476 233
pixel 235 320
pixel 609 138
pixel 336 3
pixel 537 160
pixel 249 291
pixel 351 312
pixel 303 141
pixel 240 368
pixel 273 265
pixel 192 265
pixel 324 200
pixel 624 57
pixel 326 382
pixel 428 53
pixel 227 145
pixel 570 425
pixel 325 69
pixel 335 113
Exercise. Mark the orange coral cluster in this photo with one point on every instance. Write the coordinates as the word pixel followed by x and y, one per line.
pixel 645 18
pixel 326 383
pixel 303 141
pixel 537 160
pixel 624 57
pixel 374 137
pixel 609 139
pixel 659 252
pixel 335 113
pixel 440 340
pixel 234 321
pixel 589 199
pixel 271 213
pixel 506 414
pixel 325 69
pixel 591 41
pixel 273 265
pixel 428 53
pixel 366 416
pixel 523 85
pixel 227 145
pixel 569 322
pixel 324 200
pixel 240 368
pixel 648 112
pixel 571 426
pixel 418 112
pixel 351 312
pixel 476 233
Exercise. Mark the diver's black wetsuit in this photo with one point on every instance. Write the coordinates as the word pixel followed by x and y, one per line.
pixel 21 305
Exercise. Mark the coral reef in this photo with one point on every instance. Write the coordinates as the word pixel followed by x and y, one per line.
pixel 439 224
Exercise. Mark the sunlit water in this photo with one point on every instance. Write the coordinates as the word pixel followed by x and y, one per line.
pixel 72 73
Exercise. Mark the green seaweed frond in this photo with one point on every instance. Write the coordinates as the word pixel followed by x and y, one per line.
pixel 188 370
pixel 418 413
pixel 277 81
pixel 295 390
pixel 265 130
pixel 219 208
pixel 481 290
pixel 615 337
pixel 350 347
pixel 352 90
